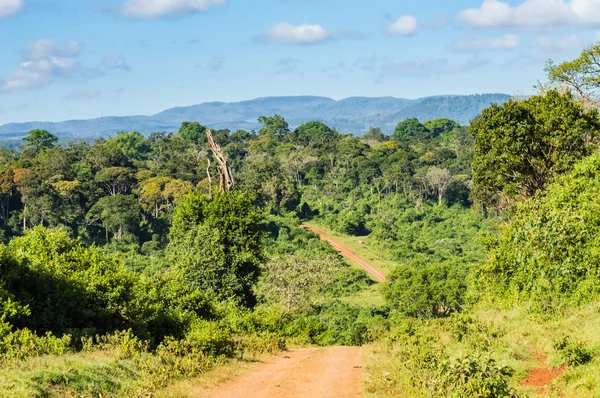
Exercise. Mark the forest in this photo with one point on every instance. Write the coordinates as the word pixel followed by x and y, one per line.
pixel 129 265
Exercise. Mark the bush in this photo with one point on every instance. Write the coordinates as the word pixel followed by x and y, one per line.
pixel 573 352
pixel 548 253
pixel 426 291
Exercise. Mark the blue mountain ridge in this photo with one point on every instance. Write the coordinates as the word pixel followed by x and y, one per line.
pixel 350 115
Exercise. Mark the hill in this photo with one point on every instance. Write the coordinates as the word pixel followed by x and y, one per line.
pixel 351 115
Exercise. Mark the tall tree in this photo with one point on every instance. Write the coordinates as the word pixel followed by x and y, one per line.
pixel 519 146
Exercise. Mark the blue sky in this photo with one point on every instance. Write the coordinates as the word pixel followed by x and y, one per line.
pixel 74 59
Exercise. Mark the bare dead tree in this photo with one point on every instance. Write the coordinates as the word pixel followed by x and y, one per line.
pixel 209 178
pixel 226 180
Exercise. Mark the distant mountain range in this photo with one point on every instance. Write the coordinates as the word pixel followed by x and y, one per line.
pixel 351 115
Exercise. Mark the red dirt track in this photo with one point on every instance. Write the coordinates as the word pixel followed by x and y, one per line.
pixel 344 251
pixel 334 372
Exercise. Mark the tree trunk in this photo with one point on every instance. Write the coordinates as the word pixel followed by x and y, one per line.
pixel 226 180
pixel 209 179
pixel 25 218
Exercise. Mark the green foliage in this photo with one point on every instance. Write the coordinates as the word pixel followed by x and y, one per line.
pixel 521 146
pixel 40 140
pixel 439 127
pixel 574 352
pixel 411 129
pixel 548 253
pixel 581 74
pixel 218 245
pixel 425 291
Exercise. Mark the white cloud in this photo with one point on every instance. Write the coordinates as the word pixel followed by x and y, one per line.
pixel 45 48
pixel 160 8
pixel 478 44
pixel 533 13
pixel 287 65
pixel 298 34
pixel 44 62
pixel 405 25
pixel 8 8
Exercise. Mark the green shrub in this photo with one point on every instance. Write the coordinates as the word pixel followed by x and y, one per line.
pixel 573 352
pixel 548 255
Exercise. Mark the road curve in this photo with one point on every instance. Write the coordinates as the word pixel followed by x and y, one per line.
pixel 349 254
pixel 334 372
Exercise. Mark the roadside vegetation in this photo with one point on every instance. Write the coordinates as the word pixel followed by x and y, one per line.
pixel 139 263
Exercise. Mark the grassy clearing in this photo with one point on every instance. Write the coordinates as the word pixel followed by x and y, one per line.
pixel 364 248
pixel 400 364
pixel 106 373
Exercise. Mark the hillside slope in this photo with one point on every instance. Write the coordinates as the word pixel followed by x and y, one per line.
pixel 351 115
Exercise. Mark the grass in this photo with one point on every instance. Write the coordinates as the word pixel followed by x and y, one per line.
pixel 105 373
pixel 362 246
pixel 518 339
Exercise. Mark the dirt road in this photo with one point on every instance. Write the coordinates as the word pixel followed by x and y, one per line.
pixel 333 372
pixel 344 251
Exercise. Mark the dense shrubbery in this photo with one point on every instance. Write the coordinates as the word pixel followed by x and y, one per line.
pixel 548 253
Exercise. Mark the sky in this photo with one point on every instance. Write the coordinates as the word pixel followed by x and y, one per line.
pixel 79 59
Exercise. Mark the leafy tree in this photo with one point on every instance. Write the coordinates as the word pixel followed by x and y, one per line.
pixel 426 290
pixel 439 127
pixel 218 245
pixel 273 127
pixel 131 144
pixel 39 140
pixel 548 253
pixel 299 280
pixel 193 132
pixel 115 180
pixel 581 74
pixel 409 130
pixel 520 146
pixel 375 134
pixel 117 213
pixel 315 134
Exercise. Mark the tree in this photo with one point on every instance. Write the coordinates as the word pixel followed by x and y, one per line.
pixel 582 74
pixel 297 281
pixel 118 213
pixel 439 180
pixel 193 132
pixel 519 146
pixel 40 140
pixel 115 180
pixel 410 130
pixel 274 126
pixel 218 245
pixel 438 127
pixel 375 134
pixel 131 144
pixel 315 134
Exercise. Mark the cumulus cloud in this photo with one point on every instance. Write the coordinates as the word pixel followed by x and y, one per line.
pixel 43 62
pixel 83 94
pixel 8 8
pixel 479 44
pixel 533 13
pixel 405 25
pixel 297 34
pixel 147 9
